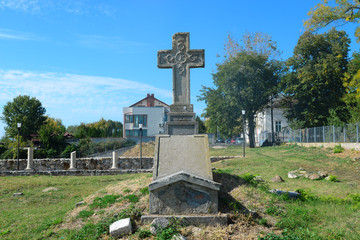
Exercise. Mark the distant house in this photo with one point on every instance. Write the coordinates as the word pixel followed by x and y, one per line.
pixel 263 123
pixel 150 112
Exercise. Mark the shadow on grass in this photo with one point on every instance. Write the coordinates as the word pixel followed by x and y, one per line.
pixel 227 203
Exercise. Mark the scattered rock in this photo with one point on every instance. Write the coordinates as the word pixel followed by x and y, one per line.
pixel 323 174
pixel 79 204
pixel 196 232
pixel 327 178
pixel 258 179
pixel 277 178
pixel 17 194
pixel 292 175
pixel 50 189
pixel 178 237
pixel 291 194
pixel 314 177
pixel 355 159
pixel 121 227
pixel 158 224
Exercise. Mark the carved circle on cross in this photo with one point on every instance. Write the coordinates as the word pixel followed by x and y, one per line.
pixel 180 57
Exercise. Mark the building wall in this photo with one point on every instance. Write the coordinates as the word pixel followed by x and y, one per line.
pixel 156 117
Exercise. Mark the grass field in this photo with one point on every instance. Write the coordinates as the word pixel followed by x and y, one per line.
pixel 326 210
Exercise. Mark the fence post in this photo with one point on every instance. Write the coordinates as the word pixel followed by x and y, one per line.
pixel 307 135
pixel 333 133
pixel 300 136
pixel 357 132
pixel 324 134
pixel 344 134
pixel 315 138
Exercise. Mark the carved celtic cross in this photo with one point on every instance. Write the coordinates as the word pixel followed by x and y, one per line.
pixel 180 58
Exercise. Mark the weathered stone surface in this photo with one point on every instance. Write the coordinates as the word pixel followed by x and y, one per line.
pixel 196 232
pixel 121 227
pixel 323 174
pixel 158 225
pixel 314 177
pixel 183 193
pixel 182 153
pixel 18 194
pixel 178 237
pixel 291 194
pixel 50 189
pixel 79 204
pixel 191 220
pixel 277 178
pixel 292 174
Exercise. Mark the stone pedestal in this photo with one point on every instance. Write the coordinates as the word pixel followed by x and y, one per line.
pixel 30 159
pixel 182 176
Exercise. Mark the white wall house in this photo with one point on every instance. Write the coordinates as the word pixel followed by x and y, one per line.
pixel 150 112
pixel 263 123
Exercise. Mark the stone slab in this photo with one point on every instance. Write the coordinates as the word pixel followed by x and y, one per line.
pixel 183 193
pixel 121 227
pixel 194 220
pixel 188 153
pixel 181 128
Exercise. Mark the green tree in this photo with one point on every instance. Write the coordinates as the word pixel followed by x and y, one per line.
pixel 352 84
pixel 334 13
pixel 201 125
pixel 102 128
pixel 314 85
pixel 242 82
pixel 52 137
pixel 25 110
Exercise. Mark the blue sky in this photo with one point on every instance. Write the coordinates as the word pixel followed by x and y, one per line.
pixel 87 59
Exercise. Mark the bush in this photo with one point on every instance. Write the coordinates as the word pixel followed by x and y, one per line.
pixel 338 149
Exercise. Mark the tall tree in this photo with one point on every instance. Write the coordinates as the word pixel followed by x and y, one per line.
pixel 314 86
pixel 242 82
pixel 25 110
pixel 52 137
pixel 338 13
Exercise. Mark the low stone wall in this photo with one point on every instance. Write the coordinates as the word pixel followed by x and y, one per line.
pixel 83 166
pixel 123 163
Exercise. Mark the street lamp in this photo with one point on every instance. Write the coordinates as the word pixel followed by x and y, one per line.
pixel 18 144
pixel 243 113
pixel 141 133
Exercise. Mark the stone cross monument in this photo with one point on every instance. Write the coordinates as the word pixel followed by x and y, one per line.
pixel 181 58
pixel 182 177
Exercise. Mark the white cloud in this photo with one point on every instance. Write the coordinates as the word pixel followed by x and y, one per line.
pixel 78 7
pixel 76 98
pixel 16 35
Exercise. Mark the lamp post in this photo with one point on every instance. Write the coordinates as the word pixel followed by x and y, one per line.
pixel 18 144
pixel 141 133
pixel 243 113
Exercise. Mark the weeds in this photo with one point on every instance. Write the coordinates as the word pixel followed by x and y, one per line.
pixel 103 202
pixel 85 214
pixel 338 149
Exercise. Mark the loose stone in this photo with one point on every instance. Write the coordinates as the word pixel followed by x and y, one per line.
pixel 121 227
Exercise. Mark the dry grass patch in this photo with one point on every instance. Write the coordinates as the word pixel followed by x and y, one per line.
pixel 147 150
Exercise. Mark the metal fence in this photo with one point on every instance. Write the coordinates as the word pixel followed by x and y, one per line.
pixel 348 133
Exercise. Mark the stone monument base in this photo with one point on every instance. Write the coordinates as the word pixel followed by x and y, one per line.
pixel 183 193
pixel 194 220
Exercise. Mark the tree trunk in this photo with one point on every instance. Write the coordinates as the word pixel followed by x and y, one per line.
pixel 251 125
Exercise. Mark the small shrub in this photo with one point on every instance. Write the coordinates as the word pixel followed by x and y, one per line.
pixel 285 235
pixel 127 190
pixel 248 177
pixel 144 191
pixel 85 214
pixel 273 210
pixel 338 149
pixel 132 198
pixel 144 234
pixel 333 178
pixel 103 202
pixel 263 222
pixel 168 232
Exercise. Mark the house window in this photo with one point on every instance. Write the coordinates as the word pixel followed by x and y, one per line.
pixel 278 126
pixel 135 133
pixel 136 120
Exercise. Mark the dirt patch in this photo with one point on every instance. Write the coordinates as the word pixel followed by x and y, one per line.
pixel 347 153
pixel 147 150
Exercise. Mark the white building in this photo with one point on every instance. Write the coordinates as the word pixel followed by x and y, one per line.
pixel 263 123
pixel 150 112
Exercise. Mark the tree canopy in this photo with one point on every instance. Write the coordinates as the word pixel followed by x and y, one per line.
pixel 334 13
pixel 314 87
pixel 25 110
pixel 101 128
pixel 244 81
